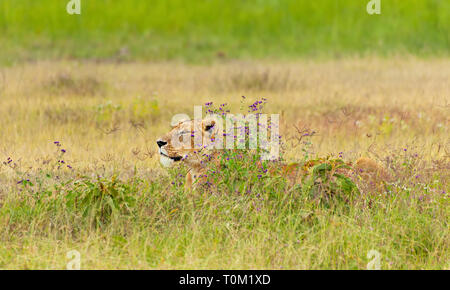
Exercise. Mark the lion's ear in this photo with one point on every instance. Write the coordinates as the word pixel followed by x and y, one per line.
pixel 208 125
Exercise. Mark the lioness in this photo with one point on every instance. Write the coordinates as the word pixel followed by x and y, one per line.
pixel 196 156
pixel 193 156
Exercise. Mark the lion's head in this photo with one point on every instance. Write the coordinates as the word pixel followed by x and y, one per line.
pixel 187 141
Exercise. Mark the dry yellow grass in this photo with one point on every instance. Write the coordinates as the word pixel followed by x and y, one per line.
pixel 354 105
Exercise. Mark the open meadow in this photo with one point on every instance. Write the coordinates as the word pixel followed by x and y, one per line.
pixel 84 96
pixel 80 168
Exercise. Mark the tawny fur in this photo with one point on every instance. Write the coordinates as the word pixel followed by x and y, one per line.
pixel 372 173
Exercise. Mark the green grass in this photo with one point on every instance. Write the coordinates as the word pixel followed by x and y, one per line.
pixel 163 227
pixel 202 30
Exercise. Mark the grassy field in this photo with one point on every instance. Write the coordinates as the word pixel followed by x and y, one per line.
pixel 207 30
pixel 83 99
pixel 107 197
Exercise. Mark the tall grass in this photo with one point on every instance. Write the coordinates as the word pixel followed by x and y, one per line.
pixel 200 30
pixel 101 191
pixel 245 218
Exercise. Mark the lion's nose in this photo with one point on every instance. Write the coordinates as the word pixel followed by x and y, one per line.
pixel 161 143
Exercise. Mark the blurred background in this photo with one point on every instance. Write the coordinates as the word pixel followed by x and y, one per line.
pixel 207 30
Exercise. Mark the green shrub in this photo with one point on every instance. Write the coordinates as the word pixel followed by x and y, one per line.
pixel 102 199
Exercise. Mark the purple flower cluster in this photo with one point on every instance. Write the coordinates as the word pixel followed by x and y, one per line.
pixel 23 181
pixel 257 105
pixel 61 153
